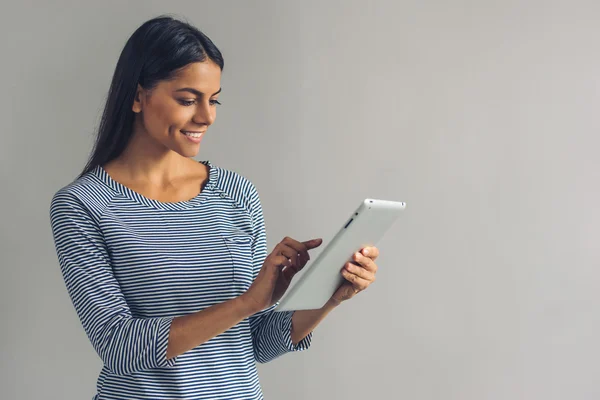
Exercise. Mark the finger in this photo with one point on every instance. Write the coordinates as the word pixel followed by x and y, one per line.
pixel 365 262
pixel 288 273
pixel 312 244
pixel 360 272
pixel 356 281
pixel 300 249
pixel 303 247
pixel 283 262
pixel 309 245
pixel 284 265
pixel 370 251
pixel 290 253
pixel 274 265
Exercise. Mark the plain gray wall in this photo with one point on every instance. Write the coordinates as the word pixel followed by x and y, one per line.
pixel 481 115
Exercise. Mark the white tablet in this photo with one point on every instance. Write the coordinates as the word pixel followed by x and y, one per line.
pixel 365 227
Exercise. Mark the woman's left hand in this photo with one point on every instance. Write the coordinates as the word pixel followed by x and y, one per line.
pixel 358 277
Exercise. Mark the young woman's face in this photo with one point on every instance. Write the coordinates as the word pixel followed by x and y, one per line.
pixel 177 113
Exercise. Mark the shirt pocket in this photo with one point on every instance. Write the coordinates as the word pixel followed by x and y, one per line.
pixel 239 246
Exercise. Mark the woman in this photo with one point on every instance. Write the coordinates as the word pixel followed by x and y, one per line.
pixel 165 257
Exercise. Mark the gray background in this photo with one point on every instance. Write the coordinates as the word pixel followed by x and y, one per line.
pixel 481 115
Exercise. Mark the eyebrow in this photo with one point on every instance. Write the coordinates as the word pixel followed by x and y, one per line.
pixel 196 92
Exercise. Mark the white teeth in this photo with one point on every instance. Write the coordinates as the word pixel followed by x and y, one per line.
pixel 194 135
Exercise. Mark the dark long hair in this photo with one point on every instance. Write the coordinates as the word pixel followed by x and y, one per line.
pixel 154 52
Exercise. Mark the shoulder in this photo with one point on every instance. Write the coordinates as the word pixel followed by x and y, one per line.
pixel 87 194
pixel 237 187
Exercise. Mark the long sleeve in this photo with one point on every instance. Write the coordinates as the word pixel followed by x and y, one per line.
pixel 271 330
pixel 125 344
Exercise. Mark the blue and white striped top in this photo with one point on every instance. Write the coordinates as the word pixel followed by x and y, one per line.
pixel 131 264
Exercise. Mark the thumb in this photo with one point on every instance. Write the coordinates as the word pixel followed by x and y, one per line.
pixel 311 244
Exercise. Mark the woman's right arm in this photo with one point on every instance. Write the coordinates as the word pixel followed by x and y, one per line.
pixel 190 331
pixel 124 343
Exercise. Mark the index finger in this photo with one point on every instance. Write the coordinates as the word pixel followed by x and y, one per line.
pixel 311 244
pixel 303 247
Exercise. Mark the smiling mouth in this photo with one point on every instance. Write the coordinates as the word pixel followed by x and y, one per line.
pixel 195 135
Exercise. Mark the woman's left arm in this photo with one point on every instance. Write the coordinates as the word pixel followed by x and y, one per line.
pixel 359 274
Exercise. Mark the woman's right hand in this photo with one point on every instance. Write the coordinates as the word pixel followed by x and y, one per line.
pixel 287 258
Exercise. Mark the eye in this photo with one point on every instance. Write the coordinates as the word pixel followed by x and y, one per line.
pixel 187 103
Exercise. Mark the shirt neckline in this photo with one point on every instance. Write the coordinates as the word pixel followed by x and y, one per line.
pixel 101 173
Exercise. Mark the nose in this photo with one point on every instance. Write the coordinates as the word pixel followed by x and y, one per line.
pixel 205 114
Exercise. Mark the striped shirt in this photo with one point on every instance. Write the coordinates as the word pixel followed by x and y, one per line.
pixel 131 264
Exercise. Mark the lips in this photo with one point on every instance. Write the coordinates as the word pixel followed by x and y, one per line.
pixel 194 137
pixel 194 134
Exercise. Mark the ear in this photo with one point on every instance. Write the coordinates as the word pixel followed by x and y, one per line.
pixel 137 100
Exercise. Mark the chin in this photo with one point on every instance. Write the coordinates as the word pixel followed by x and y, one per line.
pixel 187 152
pixel 184 149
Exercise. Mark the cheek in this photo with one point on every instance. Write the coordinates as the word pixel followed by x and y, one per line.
pixel 166 119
